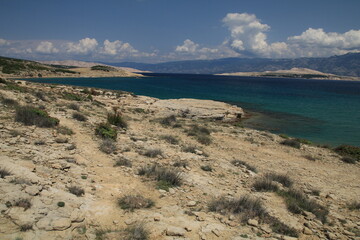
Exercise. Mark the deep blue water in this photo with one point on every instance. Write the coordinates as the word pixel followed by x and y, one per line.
pixel 323 111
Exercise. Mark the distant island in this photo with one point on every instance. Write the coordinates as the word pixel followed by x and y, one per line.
pixel 292 73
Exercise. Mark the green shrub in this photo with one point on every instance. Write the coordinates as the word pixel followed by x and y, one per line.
pixel 349 151
pixel 9 102
pixel 64 130
pixel 280 178
pixel 117 120
pixel 168 121
pixel 61 204
pixel 79 116
pixel 104 130
pixel 304 141
pixel 103 68
pixel 190 149
pixel 33 116
pixel 201 134
pixel 181 163
pixel 132 202
pixel 73 97
pixel 291 143
pixel 74 106
pixel 348 160
pixel 41 96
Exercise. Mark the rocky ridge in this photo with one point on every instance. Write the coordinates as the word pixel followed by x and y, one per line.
pixel 44 165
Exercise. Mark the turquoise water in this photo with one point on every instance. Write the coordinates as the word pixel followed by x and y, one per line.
pixel 323 111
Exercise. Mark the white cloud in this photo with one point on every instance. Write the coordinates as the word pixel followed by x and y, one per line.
pixel 3 42
pixel 187 47
pixel 118 48
pixel 248 36
pixel 46 47
pixel 84 46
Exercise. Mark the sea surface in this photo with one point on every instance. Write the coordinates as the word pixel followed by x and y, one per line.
pixel 323 111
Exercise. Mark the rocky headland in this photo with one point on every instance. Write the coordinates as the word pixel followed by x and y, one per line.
pixel 79 163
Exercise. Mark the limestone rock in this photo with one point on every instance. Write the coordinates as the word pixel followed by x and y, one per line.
pixel 175 231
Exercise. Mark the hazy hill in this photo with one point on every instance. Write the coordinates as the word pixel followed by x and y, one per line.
pixel 346 65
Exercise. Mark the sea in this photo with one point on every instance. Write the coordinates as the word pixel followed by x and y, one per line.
pixel 323 111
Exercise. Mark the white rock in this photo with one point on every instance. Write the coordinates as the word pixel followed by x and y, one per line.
pixel 175 231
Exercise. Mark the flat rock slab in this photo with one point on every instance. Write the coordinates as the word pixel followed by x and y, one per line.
pixel 199 109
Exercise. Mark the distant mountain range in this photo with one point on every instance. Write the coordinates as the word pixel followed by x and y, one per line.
pixel 345 65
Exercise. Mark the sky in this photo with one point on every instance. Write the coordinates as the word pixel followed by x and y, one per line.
pixel 171 30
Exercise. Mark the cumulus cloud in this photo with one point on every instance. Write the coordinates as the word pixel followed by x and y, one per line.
pixel 46 47
pixel 248 36
pixel 118 48
pixel 84 46
pixel 187 47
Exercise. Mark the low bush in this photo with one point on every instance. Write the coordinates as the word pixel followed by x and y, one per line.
pixel 77 191
pixel 117 120
pixel 104 130
pixel 24 203
pixel 291 143
pixel 107 146
pixel 79 116
pixel 168 121
pixel 349 151
pixel 9 102
pixel 170 139
pixel 41 96
pixel 354 205
pixel 25 227
pixel 136 232
pixel 61 204
pixel 122 161
pixel 33 116
pixel 265 185
pixel 73 97
pixel 74 106
pixel 202 134
pixel 152 153
pixel 190 149
pixel 181 163
pixel 166 176
pixel 348 159
pixel 132 202
pixel 297 202
pixel 280 178
pixel 245 206
pixel 4 172
pixel 281 228
pixel 206 168
pixel 238 163
pixel 64 130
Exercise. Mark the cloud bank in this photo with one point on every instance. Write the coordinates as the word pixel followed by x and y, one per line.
pixel 247 37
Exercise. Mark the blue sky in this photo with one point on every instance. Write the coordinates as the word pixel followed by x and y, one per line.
pixel 168 30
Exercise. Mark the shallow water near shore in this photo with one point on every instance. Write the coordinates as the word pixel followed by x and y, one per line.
pixel 323 111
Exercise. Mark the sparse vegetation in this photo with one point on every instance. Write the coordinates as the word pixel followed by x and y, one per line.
pixel 354 205
pixel 33 116
pixel 116 119
pixel 190 149
pixel 206 168
pixel 168 121
pixel 348 159
pixel 103 68
pixel 165 176
pixel 79 116
pixel 74 106
pixel 238 163
pixel 104 130
pixel 132 202
pixel 41 96
pixel 291 143
pixel 170 139
pixel 122 161
pixel 349 151
pixel 25 227
pixel 245 206
pixel 202 134
pixel 181 163
pixel 107 146
pixel 265 184
pixel 153 153
pixel 297 202
pixel 24 203
pixel 76 190
pixel 136 232
pixel 4 172
pixel 73 97
pixel 64 130
pixel 280 178
pixel 9 102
